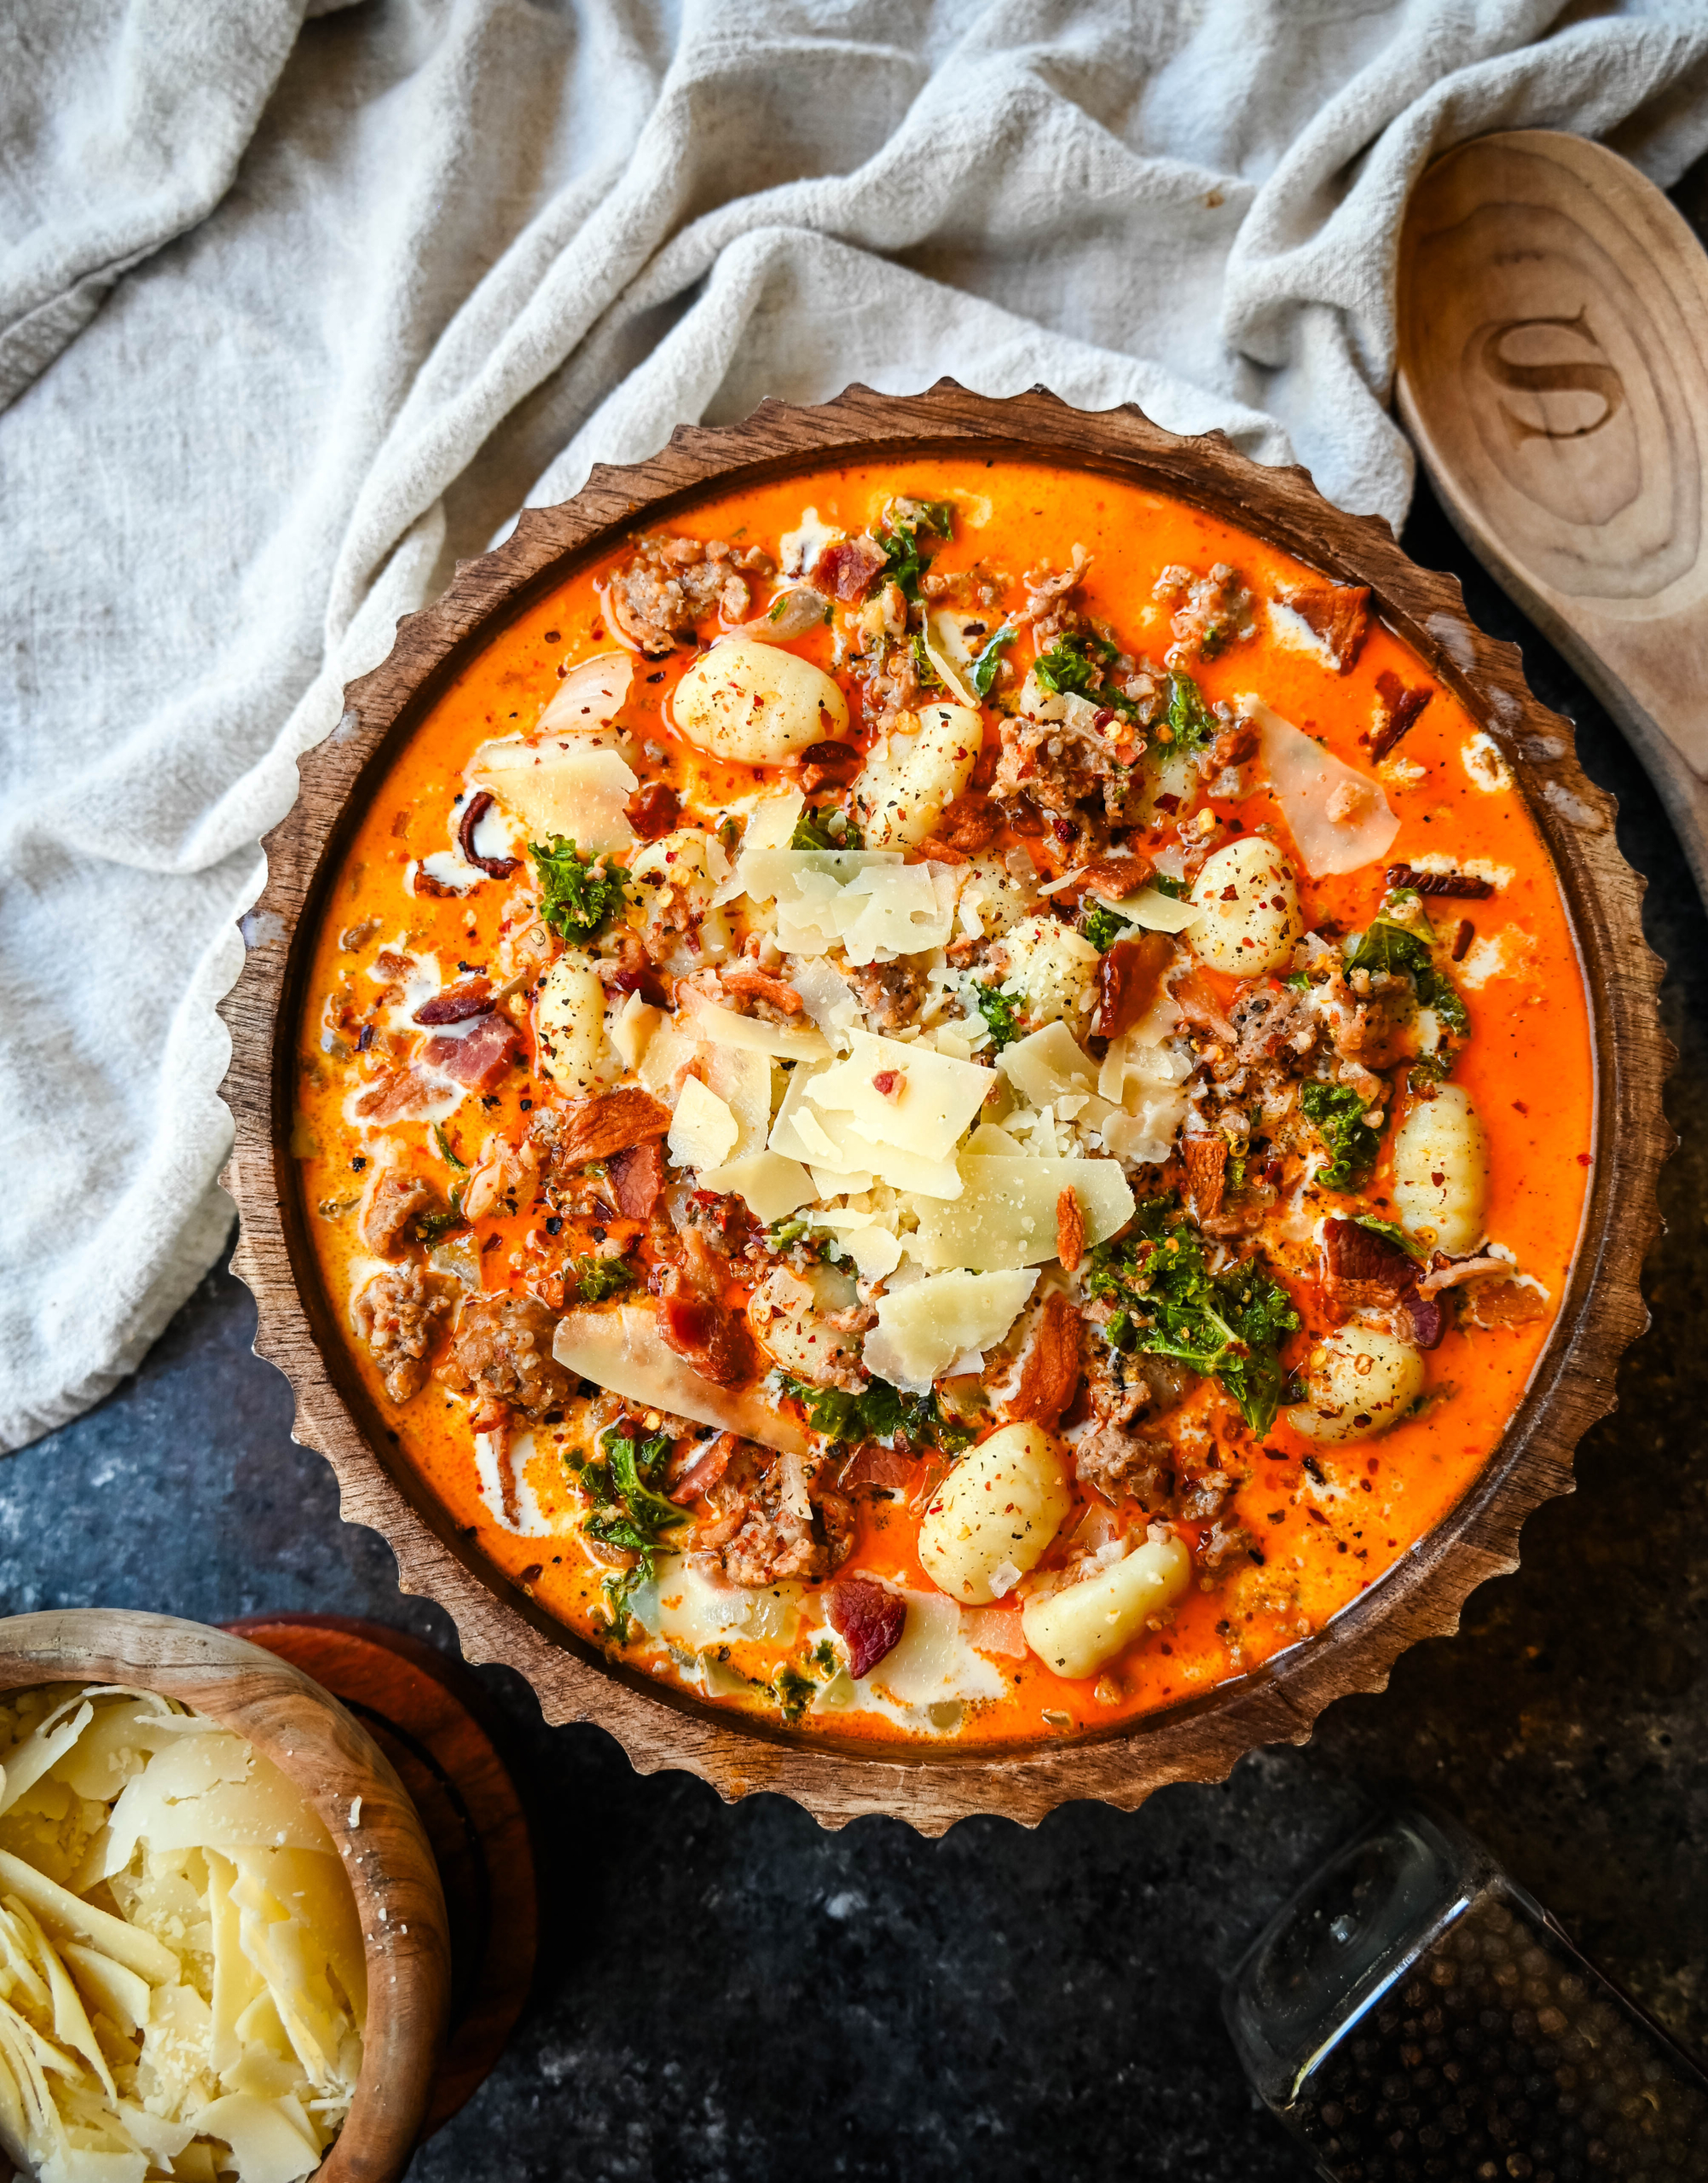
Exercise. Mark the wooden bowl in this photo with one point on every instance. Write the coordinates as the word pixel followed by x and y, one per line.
pixel 1601 1311
pixel 309 1735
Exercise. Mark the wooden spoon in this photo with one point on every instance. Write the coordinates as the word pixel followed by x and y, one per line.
pixel 1552 373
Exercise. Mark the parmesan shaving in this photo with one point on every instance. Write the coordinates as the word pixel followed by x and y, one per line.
pixel 1338 818
pixel 1005 1216
pixel 620 1348
pixel 723 1026
pixel 210 2025
pixel 923 1327
pixel 575 785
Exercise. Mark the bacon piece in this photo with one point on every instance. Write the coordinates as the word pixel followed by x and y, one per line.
pixel 706 1335
pixel 495 868
pixel 710 1462
pixel 875 1465
pixel 747 984
pixel 637 1179
pixel 425 883
pixel 477 1061
pixel 1129 978
pixel 847 569
pixel 1070 1230
pixel 456 1003
pixel 1050 1367
pixel 653 810
pixel 1339 614
pixel 405 1092
pixel 831 758
pixel 1206 1162
pixel 1366 1271
pixel 1401 708
pixel 1493 1305
pixel 604 1122
pixel 1464 885
pixel 1109 878
pixel 868 1619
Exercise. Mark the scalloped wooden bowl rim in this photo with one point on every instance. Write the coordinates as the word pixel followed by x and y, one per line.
pixel 333 1760
pixel 839 1779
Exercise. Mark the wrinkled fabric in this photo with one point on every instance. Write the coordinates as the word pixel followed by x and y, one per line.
pixel 299 304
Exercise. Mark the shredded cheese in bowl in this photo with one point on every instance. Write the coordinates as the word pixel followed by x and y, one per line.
pixel 183 1982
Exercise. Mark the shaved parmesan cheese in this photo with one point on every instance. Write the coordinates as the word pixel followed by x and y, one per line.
pixel 904 1095
pixel 267 2142
pixel 741 1080
pixel 575 785
pixel 724 1026
pixel 1006 1215
pixel 875 1252
pixel 828 997
pixel 631 1029
pixel 866 901
pixel 66 1916
pixel 946 647
pixel 771 1186
pixel 934 1662
pixel 1338 818
pixel 688 1606
pixel 1048 1065
pixel 922 1328
pixel 702 1129
pixel 109 1988
pixel 843 1158
pixel 211 1792
pixel 589 694
pixel 1157 912
pixel 621 1348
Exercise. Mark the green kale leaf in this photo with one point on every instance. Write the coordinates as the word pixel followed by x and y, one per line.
pixel 577 893
pixel 1391 1232
pixel 795 1691
pixel 824 827
pixel 1404 950
pixel 985 666
pixel 1077 666
pixel 928 676
pixel 1103 926
pixel 1001 1011
pixel 1191 723
pixel 1230 1325
pixel 448 1151
pixel 626 1511
pixel 1165 884
pixel 878 1412
pixel 1339 1113
pixel 430 1226
pixel 902 564
pixel 594 1279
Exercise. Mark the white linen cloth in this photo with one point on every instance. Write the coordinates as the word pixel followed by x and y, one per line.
pixel 293 313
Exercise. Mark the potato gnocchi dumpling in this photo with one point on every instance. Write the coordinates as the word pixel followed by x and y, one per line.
pixel 957 1144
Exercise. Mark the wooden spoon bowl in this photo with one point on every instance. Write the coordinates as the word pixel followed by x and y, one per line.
pixel 1421 1597
pixel 309 1735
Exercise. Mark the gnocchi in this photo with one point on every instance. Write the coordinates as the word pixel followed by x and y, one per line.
pixel 995 1514
pixel 569 1025
pixel 1362 1380
pixel 669 894
pixel 756 705
pixel 1080 1627
pixel 904 787
pixel 791 1315
pixel 1441 1171
pixel 1247 905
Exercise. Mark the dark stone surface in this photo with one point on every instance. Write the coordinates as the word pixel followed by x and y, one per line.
pixel 731 1994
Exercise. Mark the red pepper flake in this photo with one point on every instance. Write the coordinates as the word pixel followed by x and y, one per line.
pixel 1466 934
pixel 1170 803
pixel 887 1083
pixel 1585 1159
pixel 1519 1107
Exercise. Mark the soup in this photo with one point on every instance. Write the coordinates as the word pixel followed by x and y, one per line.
pixel 947 1101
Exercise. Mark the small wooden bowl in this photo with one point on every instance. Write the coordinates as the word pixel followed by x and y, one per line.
pixel 1601 1312
pixel 309 1735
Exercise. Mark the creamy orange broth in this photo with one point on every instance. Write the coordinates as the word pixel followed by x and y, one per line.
pixel 1325 1535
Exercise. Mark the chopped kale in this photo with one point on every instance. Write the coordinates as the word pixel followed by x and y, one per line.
pixel 1339 1113
pixel 594 1279
pixel 1000 1010
pixel 1192 725
pixel 795 1691
pixel 628 1512
pixel 789 1230
pixel 1076 666
pixel 878 1412
pixel 985 666
pixel 1391 1232
pixel 430 1226
pixel 448 1151
pixel 902 565
pixel 1165 884
pixel 1103 926
pixel 824 827
pixel 577 893
pixel 1230 1325
pixel 1404 950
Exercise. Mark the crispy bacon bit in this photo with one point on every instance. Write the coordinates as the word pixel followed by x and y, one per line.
pixel 1049 1366
pixel 604 1122
pixel 637 1179
pixel 708 1336
pixel 1206 1162
pixel 1462 937
pixel 867 1618
pixel 1338 614
pixel 495 868
pixel 1462 885
pixel 887 1083
pixel 477 1061
pixel 653 810
pixel 1366 1271
pixel 1129 977
pixel 1070 1230
pixel 706 1466
pixel 747 983
pixel 1401 708
pixel 456 1003
pixel 873 1466
pixel 846 569
pixel 1111 878
pixel 406 1091
pixel 1493 1305
pixel 1234 745
pixel 425 883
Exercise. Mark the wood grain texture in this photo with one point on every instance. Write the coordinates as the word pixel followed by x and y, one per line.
pixel 1552 373
pixel 1601 1311
pixel 333 1761
pixel 434 1722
